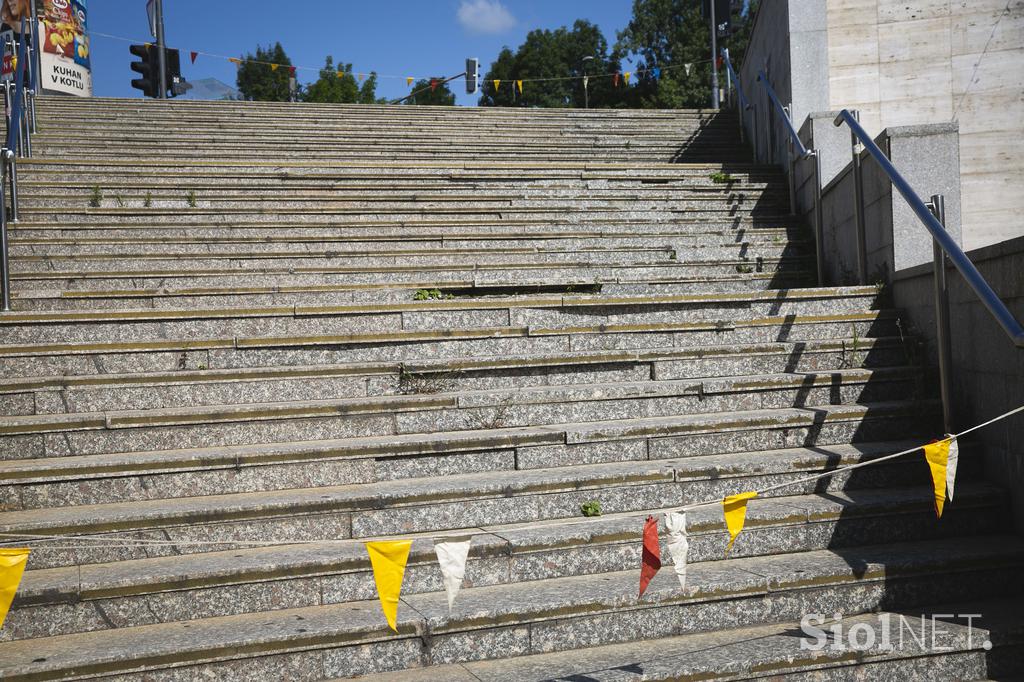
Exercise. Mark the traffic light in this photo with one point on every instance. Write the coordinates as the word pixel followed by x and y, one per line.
pixel 723 15
pixel 148 67
pixel 175 83
pixel 472 75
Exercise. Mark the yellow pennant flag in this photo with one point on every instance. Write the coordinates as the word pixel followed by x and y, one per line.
pixel 340 74
pixel 937 456
pixel 735 508
pixel 497 84
pixel 627 75
pixel 408 81
pixel 234 60
pixel 274 67
pixel 388 559
pixel 12 566
pixel 519 84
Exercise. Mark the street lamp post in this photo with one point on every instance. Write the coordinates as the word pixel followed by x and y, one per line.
pixel 583 70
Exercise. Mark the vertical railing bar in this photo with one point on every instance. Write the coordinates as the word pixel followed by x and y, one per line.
pixel 942 328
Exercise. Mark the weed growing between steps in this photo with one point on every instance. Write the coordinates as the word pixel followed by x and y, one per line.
pixel 95 197
pixel 431 295
pixel 426 383
pixel 591 508
pixel 721 177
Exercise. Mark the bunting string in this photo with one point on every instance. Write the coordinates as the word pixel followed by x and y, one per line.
pixel 517 84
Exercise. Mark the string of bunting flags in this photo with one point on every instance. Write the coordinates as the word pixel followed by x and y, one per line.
pixel 516 84
pixel 388 558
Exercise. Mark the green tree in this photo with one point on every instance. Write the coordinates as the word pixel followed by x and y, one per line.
pixel 439 95
pixel 256 80
pixel 670 34
pixel 562 57
pixel 338 85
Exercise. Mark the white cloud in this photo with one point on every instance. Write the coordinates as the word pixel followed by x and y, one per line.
pixel 484 16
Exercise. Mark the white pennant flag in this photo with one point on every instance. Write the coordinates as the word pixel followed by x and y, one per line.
pixel 687 68
pixel 677 543
pixel 954 456
pixel 452 558
pixel 586 80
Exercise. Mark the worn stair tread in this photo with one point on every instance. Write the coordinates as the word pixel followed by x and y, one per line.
pixel 186 376
pixel 157 646
pixel 356 497
pixel 398 445
pixel 762 651
pixel 454 400
pixel 106 580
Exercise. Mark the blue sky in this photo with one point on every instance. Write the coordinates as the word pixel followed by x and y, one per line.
pixel 393 37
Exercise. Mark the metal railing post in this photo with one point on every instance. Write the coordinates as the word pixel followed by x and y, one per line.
pixel 11 163
pixel 791 171
pixel 819 245
pixel 5 276
pixel 937 206
pixel 858 207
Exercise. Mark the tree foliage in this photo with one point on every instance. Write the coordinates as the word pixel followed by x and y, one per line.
pixel 670 34
pixel 256 80
pixel 338 85
pixel 559 56
pixel 439 95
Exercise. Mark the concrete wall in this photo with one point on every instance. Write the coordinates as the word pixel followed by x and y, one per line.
pixel 988 378
pixel 904 62
pixel 786 33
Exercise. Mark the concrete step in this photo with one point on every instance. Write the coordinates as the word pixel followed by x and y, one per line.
pixel 533 311
pixel 37 479
pixel 313 419
pixel 103 392
pixel 771 652
pixel 61 358
pixel 73 295
pixel 135 592
pixel 534 617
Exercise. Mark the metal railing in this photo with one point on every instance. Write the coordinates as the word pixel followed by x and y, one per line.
pixel 933 216
pixel 797 152
pixel 20 104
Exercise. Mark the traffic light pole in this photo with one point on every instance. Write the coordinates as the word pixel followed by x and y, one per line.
pixel 161 49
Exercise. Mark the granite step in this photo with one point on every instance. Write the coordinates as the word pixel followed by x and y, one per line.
pixel 535 312
pixel 283 290
pixel 104 392
pixel 61 358
pixel 533 617
pixel 94 478
pixel 215 425
pixel 134 592
pixel 778 651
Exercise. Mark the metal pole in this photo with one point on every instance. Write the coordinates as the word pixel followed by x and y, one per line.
pixel 858 208
pixel 819 244
pixel 12 170
pixel 5 275
pixel 161 48
pixel 938 208
pixel 728 80
pixel 791 162
pixel 714 61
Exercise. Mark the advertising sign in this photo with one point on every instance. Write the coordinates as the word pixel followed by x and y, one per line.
pixel 11 14
pixel 64 61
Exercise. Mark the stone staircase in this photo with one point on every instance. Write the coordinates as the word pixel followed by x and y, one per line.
pixel 239 327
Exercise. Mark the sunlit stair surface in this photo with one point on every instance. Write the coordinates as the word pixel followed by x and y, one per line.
pixel 249 337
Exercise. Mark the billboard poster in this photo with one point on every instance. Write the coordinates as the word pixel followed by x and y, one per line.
pixel 11 14
pixel 64 60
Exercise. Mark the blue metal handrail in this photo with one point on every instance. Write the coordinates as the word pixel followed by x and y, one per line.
pixel 735 79
pixel 19 83
pixel 970 273
pixel 782 110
